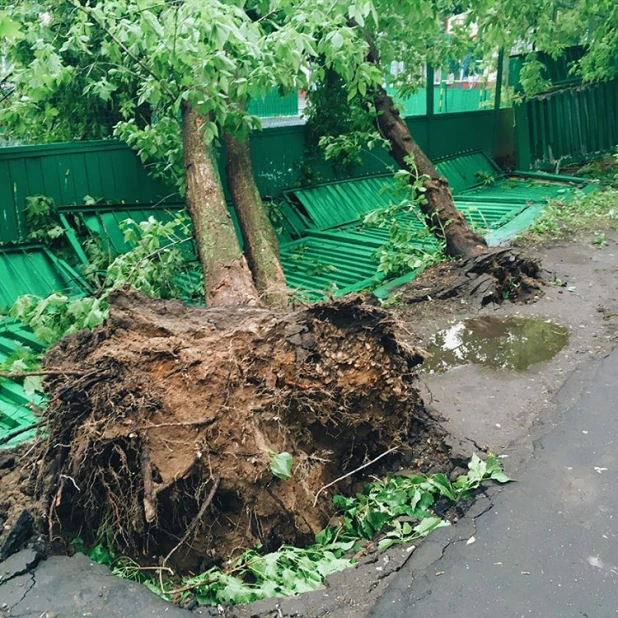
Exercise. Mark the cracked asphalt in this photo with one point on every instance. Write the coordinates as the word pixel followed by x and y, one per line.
pixel 546 546
pixel 62 587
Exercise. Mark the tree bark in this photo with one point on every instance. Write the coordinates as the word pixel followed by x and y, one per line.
pixel 441 214
pixel 227 277
pixel 261 245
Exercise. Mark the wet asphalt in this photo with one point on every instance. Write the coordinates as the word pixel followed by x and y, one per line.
pixel 548 545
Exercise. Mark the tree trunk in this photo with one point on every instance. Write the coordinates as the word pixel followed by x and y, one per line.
pixel 227 277
pixel 441 214
pixel 261 245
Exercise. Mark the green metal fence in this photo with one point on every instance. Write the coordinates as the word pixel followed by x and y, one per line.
pixel 568 125
pixel 110 170
pixel 274 106
pixel 67 173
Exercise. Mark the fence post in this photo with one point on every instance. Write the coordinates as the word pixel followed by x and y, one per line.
pixel 499 79
pixel 429 109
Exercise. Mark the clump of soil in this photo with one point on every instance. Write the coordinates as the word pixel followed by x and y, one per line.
pixel 164 443
pixel 17 524
pixel 491 277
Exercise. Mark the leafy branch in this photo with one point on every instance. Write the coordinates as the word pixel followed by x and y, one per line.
pixel 392 511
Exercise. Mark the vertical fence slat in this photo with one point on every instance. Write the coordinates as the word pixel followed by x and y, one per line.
pixel 568 125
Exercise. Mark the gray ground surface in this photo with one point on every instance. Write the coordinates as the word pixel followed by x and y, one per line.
pixel 75 587
pixel 549 544
pixel 552 532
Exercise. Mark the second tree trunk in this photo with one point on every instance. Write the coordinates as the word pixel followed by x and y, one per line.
pixel 261 246
pixel 440 211
pixel 227 277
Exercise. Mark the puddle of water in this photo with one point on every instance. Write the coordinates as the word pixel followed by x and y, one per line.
pixel 511 343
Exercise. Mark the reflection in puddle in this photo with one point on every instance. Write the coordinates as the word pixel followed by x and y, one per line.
pixel 511 343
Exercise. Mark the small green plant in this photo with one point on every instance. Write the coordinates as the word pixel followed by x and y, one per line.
pixel 281 465
pixel 394 300
pixel 44 225
pixel 21 359
pixel 24 360
pixel 382 503
pixel 393 511
pixel 600 240
pixel 410 245
pixel 58 315
pixel 152 266
pixel 155 265
pixel 486 178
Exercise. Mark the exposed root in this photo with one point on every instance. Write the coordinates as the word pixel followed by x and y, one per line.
pixel 490 277
pixel 172 397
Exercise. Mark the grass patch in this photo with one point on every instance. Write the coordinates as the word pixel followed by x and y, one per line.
pixel 584 213
pixel 604 170
pixel 397 510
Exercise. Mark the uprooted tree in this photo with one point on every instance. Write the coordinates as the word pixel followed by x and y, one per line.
pixel 358 41
pixel 167 412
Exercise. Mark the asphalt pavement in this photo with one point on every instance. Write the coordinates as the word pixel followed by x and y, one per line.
pixel 546 546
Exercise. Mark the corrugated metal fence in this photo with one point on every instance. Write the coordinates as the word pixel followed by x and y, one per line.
pixel 67 173
pixel 111 171
pixel 567 125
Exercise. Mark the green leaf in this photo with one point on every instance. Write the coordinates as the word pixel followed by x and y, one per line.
pixel 444 486
pixel 9 29
pixel 32 386
pixel 281 465
pixel 477 467
pixel 429 524
pixel 384 544
pixel 337 41
pixel 500 477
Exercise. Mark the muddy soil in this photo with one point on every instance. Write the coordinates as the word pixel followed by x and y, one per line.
pixel 166 441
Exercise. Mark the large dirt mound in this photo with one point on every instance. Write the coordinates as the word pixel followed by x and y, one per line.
pixel 168 435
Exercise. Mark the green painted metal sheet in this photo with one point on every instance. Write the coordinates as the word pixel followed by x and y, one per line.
pixel 67 173
pixel 33 269
pixel 340 249
pixel 103 221
pixel 110 170
pixel 568 125
pixel 555 70
pixel 333 204
pixel 16 408
pixel 319 266
pixel 468 170
pixel 526 190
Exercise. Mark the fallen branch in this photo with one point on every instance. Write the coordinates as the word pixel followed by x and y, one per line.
pixel 18 432
pixel 345 476
pixel 183 424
